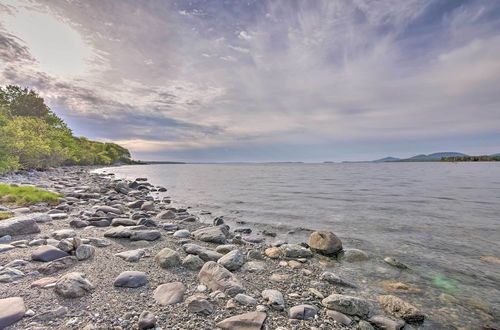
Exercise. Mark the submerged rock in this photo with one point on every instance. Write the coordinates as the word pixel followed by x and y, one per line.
pixel 400 308
pixel 347 304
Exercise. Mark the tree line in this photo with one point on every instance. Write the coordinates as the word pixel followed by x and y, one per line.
pixel 471 159
pixel 32 136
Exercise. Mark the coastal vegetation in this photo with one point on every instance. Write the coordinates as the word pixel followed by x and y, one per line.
pixel 32 136
pixel 26 195
pixel 484 158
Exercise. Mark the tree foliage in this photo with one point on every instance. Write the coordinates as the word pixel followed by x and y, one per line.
pixel 32 136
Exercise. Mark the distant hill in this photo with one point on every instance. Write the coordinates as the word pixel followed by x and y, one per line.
pixel 436 156
pixel 496 155
pixel 387 159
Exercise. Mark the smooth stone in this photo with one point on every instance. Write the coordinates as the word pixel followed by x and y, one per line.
pixel 37 242
pixel 254 239
pixel 398 287
pixel 395 263
pixel 6 247
pixel 245 299
pixel 183 233
pixel 167 258
pixel 119 232
pixel 192 262
pixel 166 215
pixel 325 242
pixel 5 238
pixel 65 245
pixel 204 253
pixel 63 233
pixel 19 225
pixel 43 282
pixel 273 252
pixel 99 242
pixel 386 323
pixel 169 226
pixel 52 314
pixel 43 218
pixel 400 308
pixel 216 234
pixel 84 252
pixel 339 317
pixel 108 209
pixel 131 279
pixel 147 320
pixel 47 253
pixel 274 299
pixel 363 325
pixel 226 248
pixel 11 310
pixel 303 312
pixel 57 265
pixel 295 251
pixel 169 293
pixel 131 255
pixel 216 277
pixel 199 304
pixel 232 260
pixel 58 216
pixel 347 304
pixel 253 267
pixel 146 235
pixel 9 274
pixel 73 285
pixel 247 321
pixel 148 206
pixel 123 222
pixel 17 263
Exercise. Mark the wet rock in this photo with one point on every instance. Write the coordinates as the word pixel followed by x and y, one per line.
pixel 395 263
pixel 216 277
pixel 73 285
pixel 303 312
pixel 274 252
pixel 11 310
pixel 339 317
pixel 63 233
pixel 147 320
pixel 232 260
pixel 347 304
pixel 131 279
pixel 352 255
pixel 400 308
pixel 216 234
pixel 9 274
pixel 57 265
pixel 131 255
pixel 199 304
pixel 295 251
pixel 245 299
pixel 385 323
pixel 47 253
pixel 335 279
pixel 167 258
pixel 247 321
pixel 145 235
pixel 84 252
pixel 325 242
pixel 19 225
pixel 192 262
pixel 399 287
pixel 170 293
pixel 274 299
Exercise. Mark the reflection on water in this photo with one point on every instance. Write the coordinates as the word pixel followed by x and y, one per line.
pixel 441 219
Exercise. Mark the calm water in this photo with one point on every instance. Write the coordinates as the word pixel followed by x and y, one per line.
pixel 438 218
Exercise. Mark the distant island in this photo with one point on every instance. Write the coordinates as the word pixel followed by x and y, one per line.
pixel 442 157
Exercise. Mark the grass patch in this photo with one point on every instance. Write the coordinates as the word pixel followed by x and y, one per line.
pixel 6 215
pixel 25 196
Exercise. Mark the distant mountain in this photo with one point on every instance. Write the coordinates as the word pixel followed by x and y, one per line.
pixel 436 156
pixel 386 159
pixel 497 155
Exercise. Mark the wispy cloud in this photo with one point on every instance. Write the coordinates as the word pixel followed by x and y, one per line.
pixel 164 77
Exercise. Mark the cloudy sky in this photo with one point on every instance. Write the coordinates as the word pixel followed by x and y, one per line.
pixel 263 80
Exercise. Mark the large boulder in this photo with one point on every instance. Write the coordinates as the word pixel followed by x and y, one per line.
pixel 325 242
pixel 20 225
pixel 73 285
pixel 169 293
pixel 247 321
pixel 167 258
pixel 47 253
pixel 347 304
pixel 11 310
pixel 216 277
pixel 400 308
pixel 216 234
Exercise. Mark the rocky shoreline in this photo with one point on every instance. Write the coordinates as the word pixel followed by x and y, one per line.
pixel 112 256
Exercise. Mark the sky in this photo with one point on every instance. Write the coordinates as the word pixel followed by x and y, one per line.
pixel 285 80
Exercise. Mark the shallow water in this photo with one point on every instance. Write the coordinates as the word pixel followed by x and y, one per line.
pixel 438 218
